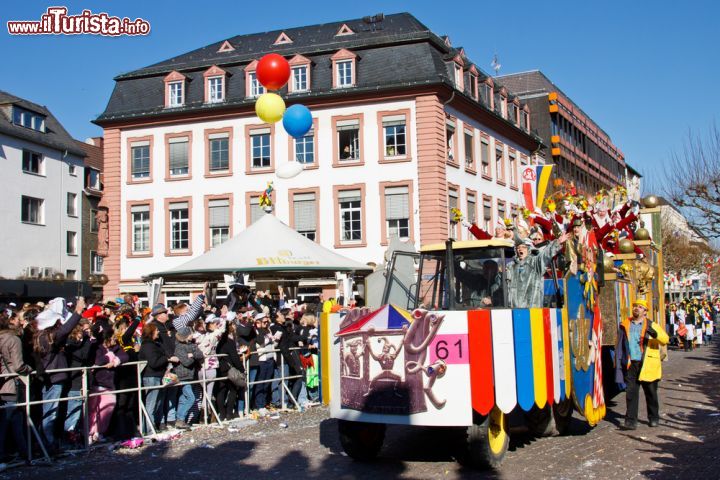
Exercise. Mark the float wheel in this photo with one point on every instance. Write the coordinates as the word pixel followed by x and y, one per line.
pixel 486 443
pixel 362 441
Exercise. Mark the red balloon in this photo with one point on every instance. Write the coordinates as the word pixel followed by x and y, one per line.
pixel 273 71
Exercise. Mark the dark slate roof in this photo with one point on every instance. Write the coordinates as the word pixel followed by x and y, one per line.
pixel 305 40
pixel 533 83
pixel 400 53
pixel 94 155
pixel 55 136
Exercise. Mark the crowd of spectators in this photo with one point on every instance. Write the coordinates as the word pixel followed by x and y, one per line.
pixel 247 337
pixel 691 322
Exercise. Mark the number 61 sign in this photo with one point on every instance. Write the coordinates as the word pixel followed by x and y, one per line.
pixel 452 349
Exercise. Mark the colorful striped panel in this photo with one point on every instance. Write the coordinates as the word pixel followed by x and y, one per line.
pixel 504 360
pixel 325 346
pixel 547 335
pixel 481 361
pixel 523 358
pixel 538 356
pixel 554 348
pixel 560 353
pixel 566 352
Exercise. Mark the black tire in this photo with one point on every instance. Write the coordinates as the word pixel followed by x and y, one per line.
pixel 476 451
pixel 362 441
pixel 562 413
pixel 540 421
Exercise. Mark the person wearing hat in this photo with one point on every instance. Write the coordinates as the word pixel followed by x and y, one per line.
pixel 637 363
pixel 525 274
pixel 48 343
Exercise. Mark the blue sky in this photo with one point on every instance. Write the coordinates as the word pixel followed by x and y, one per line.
pixel 644 71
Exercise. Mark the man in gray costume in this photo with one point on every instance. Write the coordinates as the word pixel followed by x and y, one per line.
pixel 525 273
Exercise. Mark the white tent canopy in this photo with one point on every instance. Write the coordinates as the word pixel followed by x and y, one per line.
pixel 267 248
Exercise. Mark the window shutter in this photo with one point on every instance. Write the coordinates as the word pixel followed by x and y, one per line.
pixel 219 213
pixel 256 212
pixel 349 195
pixel 347 125
pixel 140 208
pixel 453 199
pixel 397 203
pixel 393 120
pixel 304 210
pixel 178 154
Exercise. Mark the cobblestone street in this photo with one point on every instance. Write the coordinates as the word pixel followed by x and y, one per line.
pixel 683 446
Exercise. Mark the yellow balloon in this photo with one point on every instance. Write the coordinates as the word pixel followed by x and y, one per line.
pixel 270 107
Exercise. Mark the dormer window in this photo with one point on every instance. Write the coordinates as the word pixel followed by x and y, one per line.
pixel 214 84
pixel 486 94
pixel 215 89
pixel 473 76
pixel 28 119
pixel 174 90
pixel 256 89
pixel 253 88
pixel 299 74
pixel 344 75
pixel 458 74
pixel 300 78
pixel 176 94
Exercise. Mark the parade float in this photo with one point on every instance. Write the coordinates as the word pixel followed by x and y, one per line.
pixel 439 357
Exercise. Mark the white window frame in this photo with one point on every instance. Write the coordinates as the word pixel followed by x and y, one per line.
pixel 310 198
pixel 260 137
pixel 96 262
pixel 216 89
pixel 392 123
pixel 179 224
pixel 219 234
pixel 39 206
pixel 303 85
pixel 177 140
pixel 256 88
pixel 345 73
pixel 137 147
pixel 219 151
pixel 352 210
pixel 140 222
pixel 301 150
pixel 72 169
pixel 176 94
pixel 353 140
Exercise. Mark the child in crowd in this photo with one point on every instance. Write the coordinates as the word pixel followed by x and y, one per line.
pixel 190 360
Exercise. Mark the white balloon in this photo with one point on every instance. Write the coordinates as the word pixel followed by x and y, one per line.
pixel 289 170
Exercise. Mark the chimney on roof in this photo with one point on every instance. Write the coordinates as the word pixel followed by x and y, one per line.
pixel 96 141
pixel 374 22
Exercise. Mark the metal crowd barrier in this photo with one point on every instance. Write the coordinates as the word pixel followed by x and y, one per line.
pixel 143 416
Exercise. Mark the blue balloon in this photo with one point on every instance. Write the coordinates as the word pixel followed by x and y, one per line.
pixel 297 120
